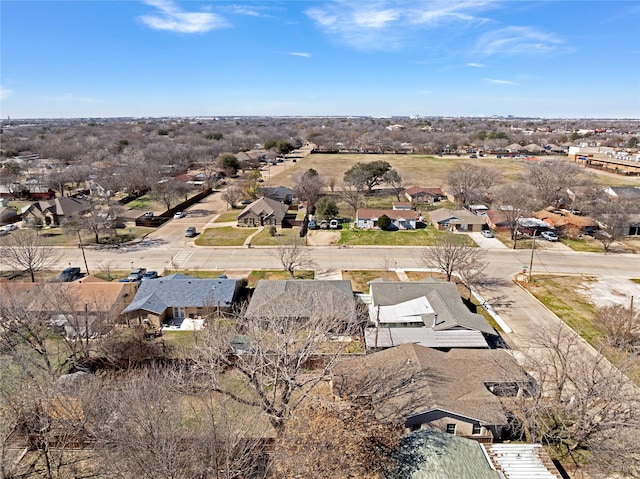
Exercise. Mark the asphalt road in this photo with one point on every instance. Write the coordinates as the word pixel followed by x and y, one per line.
pixel 522 312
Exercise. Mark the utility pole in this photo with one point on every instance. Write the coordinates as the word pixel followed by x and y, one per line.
pixel 83 255
pixel 533 247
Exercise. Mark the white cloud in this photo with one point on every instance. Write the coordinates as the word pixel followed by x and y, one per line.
pixel 375 19
pixel 519 40
pixel 5 93
pixel 172 18
pixel 475 65
pixel 499 82
pixel 387 24
pixel 300 54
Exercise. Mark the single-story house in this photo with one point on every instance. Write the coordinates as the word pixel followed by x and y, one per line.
pixel 303 300
pixel 456 220
pixel 419 194
pixel 496 219
pixel 566 222
pixel 428 312
pixel 54 212
pixel 86 306
pixel 457 392
pixel 173 298
pixel 265 212
pixel 278 193
pixel 367 218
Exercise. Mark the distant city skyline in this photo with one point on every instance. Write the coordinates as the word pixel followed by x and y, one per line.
pixel 381 58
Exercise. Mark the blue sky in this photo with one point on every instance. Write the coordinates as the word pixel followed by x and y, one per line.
pixel 96 58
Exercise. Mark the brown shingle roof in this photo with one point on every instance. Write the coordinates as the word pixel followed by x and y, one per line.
pixel 410 379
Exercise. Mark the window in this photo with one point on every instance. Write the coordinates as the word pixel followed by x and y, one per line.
pixel 178 312
pixel 451 428
pixel 476 429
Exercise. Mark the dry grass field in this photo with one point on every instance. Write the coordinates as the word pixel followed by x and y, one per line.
pixel 424 170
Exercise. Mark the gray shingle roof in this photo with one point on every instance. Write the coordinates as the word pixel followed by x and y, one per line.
pixel 443 298
pixel 302 299
pixel 266 208
pixel 157 295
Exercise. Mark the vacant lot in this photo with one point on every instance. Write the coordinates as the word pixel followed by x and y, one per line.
pixel 570 298
pixel 424 170
pixel 225 236
pixel 415 169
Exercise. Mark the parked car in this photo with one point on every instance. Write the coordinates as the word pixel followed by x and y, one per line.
pixel 324 225
pixel 69 274
pixel 136 274
pixel 334 224
pixel 148 214
pixel 486 233
pixel 191 232
pixel 312 225
pixel 550 236
pixel 149 275
pixel 179 214
pixel 473 156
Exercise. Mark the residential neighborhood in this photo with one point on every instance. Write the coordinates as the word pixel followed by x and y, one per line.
pixel 253 303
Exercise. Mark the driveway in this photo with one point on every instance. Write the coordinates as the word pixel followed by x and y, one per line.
pixel 487 243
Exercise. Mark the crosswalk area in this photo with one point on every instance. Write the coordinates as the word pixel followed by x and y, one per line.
pixel 181 258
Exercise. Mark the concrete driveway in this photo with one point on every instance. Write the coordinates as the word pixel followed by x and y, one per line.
pixel 487 243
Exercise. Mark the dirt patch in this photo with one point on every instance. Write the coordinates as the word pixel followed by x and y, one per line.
pixel 323 238
pixel 605 291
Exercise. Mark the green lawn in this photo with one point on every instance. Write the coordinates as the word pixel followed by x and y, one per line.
pixel 278 274
pixel 196 273
pixel 420 237
pixel 283 235
pixel 146 203
pixel 360 278
pixel 225 236
pixel 583 245
pixel 229 215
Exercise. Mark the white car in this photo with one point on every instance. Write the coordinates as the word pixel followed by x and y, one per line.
pixel 180 214
pixel 550 236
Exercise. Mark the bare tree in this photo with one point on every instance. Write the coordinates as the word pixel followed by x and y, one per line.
pixel 166 191
pixel 471 268
pixel 292 255
pixel 613 221
pixel 274 370
pixel 23 251
pixel 338 440
pixel 308 186
pixel 158 427
pixel 352 196
pixel 514 200
pixel 470 181
pixel 452 254
pixel 232 195
pixel 551 178
pixel 395 181
pixel 581 402
pixel 620 325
